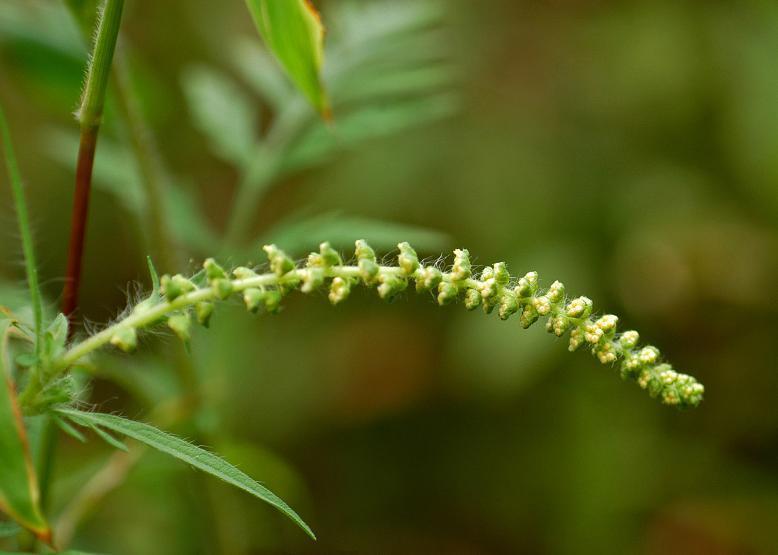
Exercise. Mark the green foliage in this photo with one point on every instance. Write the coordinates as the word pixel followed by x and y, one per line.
pixel 22 215
pixel 223 112
pixel 186 452
pixel 292 29
pixel 19 495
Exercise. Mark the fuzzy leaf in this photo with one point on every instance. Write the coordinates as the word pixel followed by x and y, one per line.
pixel 187 452
pixel 19 495
pixel 109 439
pixel 294 33
pixel 69 430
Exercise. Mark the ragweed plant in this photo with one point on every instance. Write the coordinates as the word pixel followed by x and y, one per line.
pixel 40 359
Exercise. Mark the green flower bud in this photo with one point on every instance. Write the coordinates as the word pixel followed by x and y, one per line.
pixel 203 311
pixel 313 278
pixel 576 338
pixel 339 290
pixel 501 275
pixel 447 292
pixel 390 286
pixel 241 272
pixel 556 292
pixel 509 305
pixel 213 270
pixel 180 324
pixel 254 299
pixel 222 287
pixel 527 286
pixel 364 251
pixel 329 256
pixel 579 308
pixel 280 263
pixel 472 299
pixel 629 339
pixel 408 260
pixel 528 316
pixel 605 352
pixel 368 270
pixel 126 339
pixel 461 269
pixel 427 278
pixel 272 299
pixel 558 324
pixel 175 286
pixel 542 304
pixel 605 326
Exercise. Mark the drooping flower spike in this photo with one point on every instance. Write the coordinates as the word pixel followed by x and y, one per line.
pixel 493 288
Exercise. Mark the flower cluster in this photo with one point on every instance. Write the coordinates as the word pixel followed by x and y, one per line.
pixel 179 300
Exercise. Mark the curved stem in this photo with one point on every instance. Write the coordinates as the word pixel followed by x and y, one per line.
pixel 155 313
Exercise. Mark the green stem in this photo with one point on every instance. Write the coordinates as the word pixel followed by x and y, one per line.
pixel 22 215
pixel 89 115
pixel 155 313
pixel 91 110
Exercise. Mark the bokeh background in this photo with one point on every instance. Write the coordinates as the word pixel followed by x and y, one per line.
pixel 629 149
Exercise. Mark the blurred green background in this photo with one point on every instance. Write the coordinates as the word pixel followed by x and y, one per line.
pixel 629 149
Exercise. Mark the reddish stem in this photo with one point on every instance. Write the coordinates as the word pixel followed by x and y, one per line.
pixel 86 158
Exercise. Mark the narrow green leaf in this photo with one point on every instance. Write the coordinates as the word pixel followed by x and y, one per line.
pixel 109 439
pixel 222 111
pixel 19 494
pixel 154 275
pixel 294 33
pixel 25 230
pixel 187 452
pixel 69 430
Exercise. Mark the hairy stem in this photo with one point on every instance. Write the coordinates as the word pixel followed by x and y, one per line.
pixel 89 114
pixel 22 215
pixel 154 314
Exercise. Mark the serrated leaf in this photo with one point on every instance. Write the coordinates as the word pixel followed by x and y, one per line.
pixel 293 31
pixel 221 111
pixel 301 233
pixel 19 494
pixel 187 452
